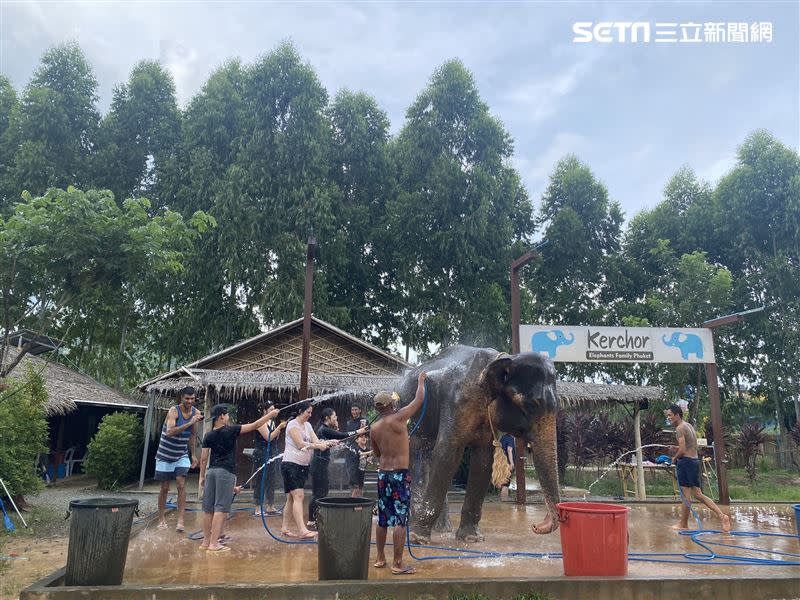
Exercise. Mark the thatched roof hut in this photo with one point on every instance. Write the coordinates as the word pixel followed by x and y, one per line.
pixel 67 389
pixel 269 364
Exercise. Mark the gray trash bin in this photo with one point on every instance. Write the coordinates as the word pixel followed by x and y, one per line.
pixel 98 540
pixel 345 532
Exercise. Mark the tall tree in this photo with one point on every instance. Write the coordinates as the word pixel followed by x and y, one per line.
pixel 352 257
pixel 69 250
pixel 8 105
pixel 139 132
pixel 54 132
pixel 459 213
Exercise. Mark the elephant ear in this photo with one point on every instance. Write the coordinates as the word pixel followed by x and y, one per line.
pixel 495 375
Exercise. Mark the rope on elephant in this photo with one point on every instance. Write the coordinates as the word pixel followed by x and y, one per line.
pixel 501 470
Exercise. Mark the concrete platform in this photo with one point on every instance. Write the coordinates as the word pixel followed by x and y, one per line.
pixel 162 564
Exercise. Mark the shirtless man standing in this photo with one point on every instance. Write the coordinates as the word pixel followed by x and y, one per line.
pixel 389 437
pixel 688 469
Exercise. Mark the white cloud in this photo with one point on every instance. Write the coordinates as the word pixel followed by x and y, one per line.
pixel 540 99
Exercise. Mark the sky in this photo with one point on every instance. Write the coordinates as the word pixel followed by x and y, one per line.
pixel 634 113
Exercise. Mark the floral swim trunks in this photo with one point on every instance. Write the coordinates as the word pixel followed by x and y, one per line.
pixel 394 497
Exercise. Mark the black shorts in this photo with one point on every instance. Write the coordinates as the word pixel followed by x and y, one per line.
pixel 688 471
pixel 357 478
pixel 294 476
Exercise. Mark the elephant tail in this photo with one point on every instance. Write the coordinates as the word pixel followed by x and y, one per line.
pixel 571 337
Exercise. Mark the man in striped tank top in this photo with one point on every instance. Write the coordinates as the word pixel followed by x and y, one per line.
pixel 175 454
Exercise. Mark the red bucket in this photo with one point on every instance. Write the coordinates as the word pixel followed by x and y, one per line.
pixel 594 538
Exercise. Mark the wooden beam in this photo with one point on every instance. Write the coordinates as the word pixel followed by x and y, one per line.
pixel 641 494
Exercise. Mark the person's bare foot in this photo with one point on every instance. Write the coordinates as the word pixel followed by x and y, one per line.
pixel 163 525
pixel 548 525
pixel 380 563
pixel 726 523
pixel 403 570
pixel 680 527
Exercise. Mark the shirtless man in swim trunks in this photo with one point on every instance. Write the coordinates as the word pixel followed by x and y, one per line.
pixel 688 470
pixel 389 437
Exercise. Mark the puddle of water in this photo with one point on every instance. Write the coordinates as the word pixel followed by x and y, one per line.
pixel 164 556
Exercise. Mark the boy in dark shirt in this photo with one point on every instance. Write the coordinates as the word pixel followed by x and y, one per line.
pixel 219 479
pixel 320 485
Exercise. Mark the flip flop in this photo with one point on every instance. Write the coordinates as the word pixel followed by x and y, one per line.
pixel 180 528
pixel 379 564
pixel 224 539
pixel 217 550
pixel 403 571
pixel 309 536
pixel 163 526
pixel 288 534
pixel 274 512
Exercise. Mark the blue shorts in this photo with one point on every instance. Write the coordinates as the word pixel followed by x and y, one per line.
pixel 167 471
pixel 688 471
pixel 394 498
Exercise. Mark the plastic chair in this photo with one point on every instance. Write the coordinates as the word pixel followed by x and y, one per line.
pixel 70 462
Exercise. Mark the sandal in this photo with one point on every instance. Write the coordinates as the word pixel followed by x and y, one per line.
pixel 403 571
pixel 216 550
pixel 289 534
pixel 309 536
pixel 180 528
pixel 379 564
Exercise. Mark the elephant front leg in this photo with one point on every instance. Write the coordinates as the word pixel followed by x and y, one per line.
pixel 480 475
pixel 443 462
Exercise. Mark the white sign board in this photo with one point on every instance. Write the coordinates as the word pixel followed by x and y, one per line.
pixel 618 344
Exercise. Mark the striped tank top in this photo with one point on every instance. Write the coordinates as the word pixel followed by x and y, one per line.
pixel 172 448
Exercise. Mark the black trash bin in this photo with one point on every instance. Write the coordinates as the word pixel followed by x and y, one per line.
pixel 98 540
pixel 345 532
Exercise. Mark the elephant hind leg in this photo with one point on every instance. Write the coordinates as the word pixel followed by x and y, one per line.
pixel 443 463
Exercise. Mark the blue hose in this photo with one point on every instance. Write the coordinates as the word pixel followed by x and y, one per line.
pixel 710 557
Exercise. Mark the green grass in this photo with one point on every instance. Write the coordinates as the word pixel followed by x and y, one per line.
pixel 41 522
pixel 776 485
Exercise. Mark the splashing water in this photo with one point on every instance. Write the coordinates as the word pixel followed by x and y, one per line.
pixel 616 462
pixel 343 394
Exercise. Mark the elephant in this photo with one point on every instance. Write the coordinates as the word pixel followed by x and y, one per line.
pixel 542 342
pixel 692 344
pixel 474 394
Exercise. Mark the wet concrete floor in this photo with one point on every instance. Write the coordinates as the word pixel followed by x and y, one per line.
pixel 166 557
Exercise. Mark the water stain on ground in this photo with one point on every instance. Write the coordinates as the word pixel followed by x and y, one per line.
pixel 164 556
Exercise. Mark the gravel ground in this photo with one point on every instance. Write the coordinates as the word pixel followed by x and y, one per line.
pixel 54 502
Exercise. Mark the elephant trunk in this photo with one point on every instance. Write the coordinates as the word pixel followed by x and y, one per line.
pixel 666 340
pixel 545 459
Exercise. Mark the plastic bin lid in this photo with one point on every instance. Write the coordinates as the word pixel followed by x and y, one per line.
pixel 345 501
pixel 103 503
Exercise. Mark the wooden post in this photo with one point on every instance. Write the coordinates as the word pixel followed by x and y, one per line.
pixel 637 438
pixel 516 265
pixel 148 425
pixel 312 243
pixel 719 436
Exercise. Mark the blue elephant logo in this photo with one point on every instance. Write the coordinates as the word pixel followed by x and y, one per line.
pixel 547 342
pixel 691 344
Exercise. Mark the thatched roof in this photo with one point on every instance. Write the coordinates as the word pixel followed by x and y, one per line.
pixel 237 384
pixel 339 363
pixel 572 393
pixel 67 388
